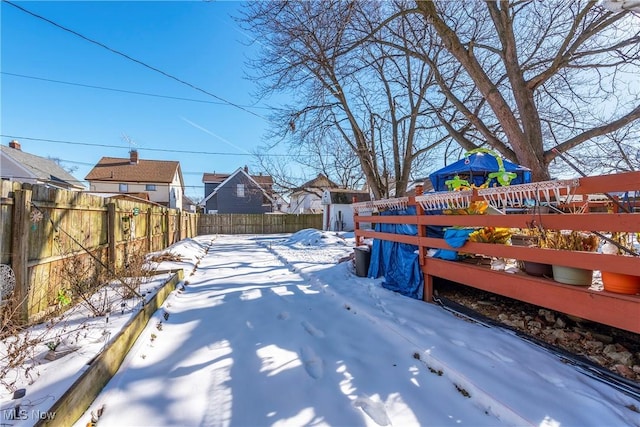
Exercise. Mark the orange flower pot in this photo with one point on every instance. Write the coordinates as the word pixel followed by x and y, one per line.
pixel 621 283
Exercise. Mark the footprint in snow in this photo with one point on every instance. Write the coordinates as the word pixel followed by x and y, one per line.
pixel 375 410
pixel 312 330
pixel 283 316
pixel 312 363
pixel 459 343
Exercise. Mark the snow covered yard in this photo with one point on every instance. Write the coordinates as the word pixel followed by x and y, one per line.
pixel 269 330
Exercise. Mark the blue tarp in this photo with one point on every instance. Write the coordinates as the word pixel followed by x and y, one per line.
pixel 397 262
pixel 475 169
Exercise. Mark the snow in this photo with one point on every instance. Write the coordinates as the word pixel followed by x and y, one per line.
pixel 274 330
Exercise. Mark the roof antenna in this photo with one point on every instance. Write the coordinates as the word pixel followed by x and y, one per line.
pixel 129 141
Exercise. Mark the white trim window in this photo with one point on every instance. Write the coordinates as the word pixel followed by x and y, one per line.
pixel 240 190
pixel 123 188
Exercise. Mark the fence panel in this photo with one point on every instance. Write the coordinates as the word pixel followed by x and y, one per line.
pixel 52 229
pixel 256 223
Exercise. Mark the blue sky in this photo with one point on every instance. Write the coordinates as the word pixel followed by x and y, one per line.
pixel 195 41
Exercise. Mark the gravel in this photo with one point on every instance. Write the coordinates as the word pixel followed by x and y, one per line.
pixel 614 349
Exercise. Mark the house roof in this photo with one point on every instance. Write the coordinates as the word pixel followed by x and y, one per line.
pixel 345 195
pixel 228 178
pixel 320 181
pixel 41 168
pixel 122 170
pixel 265 181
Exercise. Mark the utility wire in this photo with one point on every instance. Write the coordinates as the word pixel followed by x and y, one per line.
pixel 166 150
pixel 124 90
pixel 124 55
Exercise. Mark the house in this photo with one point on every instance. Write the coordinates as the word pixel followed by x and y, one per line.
pixel 16 165
pixel 338 213
pixel 308 197
pixel 238 192
pixel 188 204
pixel 160 180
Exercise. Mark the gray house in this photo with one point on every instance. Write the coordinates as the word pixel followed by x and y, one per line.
pixel 237 192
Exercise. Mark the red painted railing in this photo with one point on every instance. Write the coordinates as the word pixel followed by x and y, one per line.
pixel 617 310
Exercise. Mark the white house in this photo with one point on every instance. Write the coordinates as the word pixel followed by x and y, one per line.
pixel 337 214
pixel 308 197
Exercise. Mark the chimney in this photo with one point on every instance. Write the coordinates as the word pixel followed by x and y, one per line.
pixel 133 157
pixel 246 169
pixel 15 144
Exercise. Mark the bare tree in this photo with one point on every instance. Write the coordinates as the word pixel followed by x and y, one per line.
pixel 530 77
pixel 348 91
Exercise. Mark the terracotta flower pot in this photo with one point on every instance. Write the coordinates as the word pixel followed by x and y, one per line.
pixel 621 283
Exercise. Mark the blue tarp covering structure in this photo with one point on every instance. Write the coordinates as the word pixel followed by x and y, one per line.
pixel 397 262
pixel 475 168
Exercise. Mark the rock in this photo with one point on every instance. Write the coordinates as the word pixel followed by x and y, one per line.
pixel 519 323
pixel 502 317
pixel 636 369
pixel 613 353
pixel 534 325
pixel 559 323
pixel 574 336
pixel 624 370
pixel 593 345
pixel 607 339
pixel 548 316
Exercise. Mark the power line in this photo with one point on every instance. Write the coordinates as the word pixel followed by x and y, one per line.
pixel 124 55
pixel 166 150
pixel 124 90
pixel 79 181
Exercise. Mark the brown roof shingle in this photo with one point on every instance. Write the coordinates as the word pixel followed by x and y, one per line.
pixel 265 181
pixel 122 170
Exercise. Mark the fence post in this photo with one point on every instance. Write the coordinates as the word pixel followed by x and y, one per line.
pixel 111 235
pixel 167 229
pixel 427 294
pixel 19 251
pixel 356 222
pixel 149 231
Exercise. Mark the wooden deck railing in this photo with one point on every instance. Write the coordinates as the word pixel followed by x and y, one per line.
pixel 617 310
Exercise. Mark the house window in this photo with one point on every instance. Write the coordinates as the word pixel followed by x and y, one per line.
pixel 240 190
pixel 124 188
pixel 150 187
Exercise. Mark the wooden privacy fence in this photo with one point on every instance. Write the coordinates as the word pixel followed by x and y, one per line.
pixel 43 229
pixel 256 223
pixel 614 309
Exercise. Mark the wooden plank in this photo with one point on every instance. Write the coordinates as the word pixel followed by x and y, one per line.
pixel 579 222
pixel 588 260
pixel 19 251
pixel 401 238
pixel 628 181
pixel 617 310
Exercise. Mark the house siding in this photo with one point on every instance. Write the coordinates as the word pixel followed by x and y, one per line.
pixel 227 201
